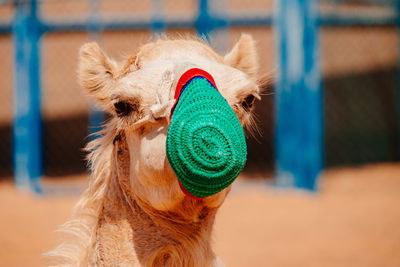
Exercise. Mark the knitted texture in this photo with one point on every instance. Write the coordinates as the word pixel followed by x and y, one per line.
pixel 206 146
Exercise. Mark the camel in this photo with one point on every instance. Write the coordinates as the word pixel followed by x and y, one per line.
pixel 133 212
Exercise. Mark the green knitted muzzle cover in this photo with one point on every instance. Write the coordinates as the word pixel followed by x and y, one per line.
pixel 206 146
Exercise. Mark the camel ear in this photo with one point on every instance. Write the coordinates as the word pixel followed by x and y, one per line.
pixel 243 56
pixel 96 72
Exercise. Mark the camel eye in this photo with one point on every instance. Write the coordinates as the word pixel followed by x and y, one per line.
pixel 122 108
pixel 248 102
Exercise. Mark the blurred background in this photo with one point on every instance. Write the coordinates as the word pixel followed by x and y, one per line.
pixel 353 217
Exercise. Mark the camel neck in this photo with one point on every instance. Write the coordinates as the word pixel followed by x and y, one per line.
pixel 180 237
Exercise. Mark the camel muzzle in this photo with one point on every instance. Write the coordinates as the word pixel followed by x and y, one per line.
pixel 206 145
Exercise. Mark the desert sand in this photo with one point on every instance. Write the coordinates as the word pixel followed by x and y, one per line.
pixel 353 220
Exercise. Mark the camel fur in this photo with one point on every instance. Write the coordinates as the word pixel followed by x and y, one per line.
pixel 134 213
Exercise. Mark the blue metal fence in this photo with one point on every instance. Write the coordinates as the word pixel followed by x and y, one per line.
pixel 299 111
pixel 27 117
pixel 299 124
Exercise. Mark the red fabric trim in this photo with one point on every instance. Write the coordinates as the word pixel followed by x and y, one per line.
pixel 185 78
pixel 187 193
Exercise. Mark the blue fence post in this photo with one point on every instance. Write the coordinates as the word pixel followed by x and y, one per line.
pixel 299 115
pixel 204 22
pixel 27 140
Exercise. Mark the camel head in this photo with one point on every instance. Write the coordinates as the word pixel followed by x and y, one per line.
pixel 139 93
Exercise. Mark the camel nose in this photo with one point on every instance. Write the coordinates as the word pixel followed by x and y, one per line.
pixel 205 145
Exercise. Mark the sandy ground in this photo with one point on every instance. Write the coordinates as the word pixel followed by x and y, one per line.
pixel 354 220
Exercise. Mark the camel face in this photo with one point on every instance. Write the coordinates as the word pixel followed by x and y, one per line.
pixel 139 93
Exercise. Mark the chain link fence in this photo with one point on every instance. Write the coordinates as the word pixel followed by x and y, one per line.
pixel 360 69
pixel 359 65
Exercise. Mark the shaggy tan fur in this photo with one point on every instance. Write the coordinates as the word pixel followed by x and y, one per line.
pixel 133 212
